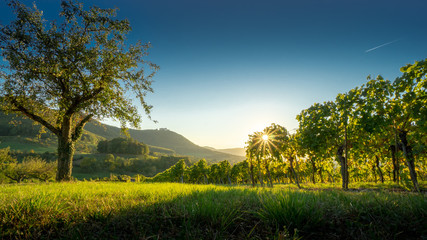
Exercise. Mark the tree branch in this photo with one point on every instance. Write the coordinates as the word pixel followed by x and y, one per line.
pixel 73 108
pixel 34 117
pixel 78 131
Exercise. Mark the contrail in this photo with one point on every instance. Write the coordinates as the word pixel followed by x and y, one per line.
pixel 382 45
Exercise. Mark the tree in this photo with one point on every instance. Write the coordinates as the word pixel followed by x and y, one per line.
pixel 30 168
pixel 63 74
pixel 224 171
pixel 255 149
pixel 250 150
pixel 322 130
pixel 239 172
pixel 198 172
pixel 289 152
pixel 276 143
pixel 377 120
pixel 6 163
pixel 39 168
pixel 409 106
pixel 273 145
pixel 178 170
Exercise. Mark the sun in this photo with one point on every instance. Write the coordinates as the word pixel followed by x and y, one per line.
pixel 265 137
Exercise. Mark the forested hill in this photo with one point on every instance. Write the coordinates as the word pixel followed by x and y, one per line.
pixel 94 131
pixel 163 138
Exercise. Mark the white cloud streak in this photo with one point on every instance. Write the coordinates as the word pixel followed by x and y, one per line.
pixel 382 45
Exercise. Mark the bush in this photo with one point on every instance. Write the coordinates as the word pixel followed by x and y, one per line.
pixel 30 168
pixel 89 164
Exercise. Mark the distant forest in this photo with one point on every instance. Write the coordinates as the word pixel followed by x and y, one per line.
pixel 122 146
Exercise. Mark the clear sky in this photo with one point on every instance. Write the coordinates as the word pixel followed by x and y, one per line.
pixel 232 67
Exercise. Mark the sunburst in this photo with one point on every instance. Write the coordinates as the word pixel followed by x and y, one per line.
pixel 265 137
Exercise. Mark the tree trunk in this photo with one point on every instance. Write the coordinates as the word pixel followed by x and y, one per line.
pixel 251 167
pixel 313 165
pixel 65 151
pixel 291 161
pixel 65 158
pixel 331 176
pixel 321 175
pixel 410 161
pixel 346 158
pixel 397 145
pixel 259 172
pixel 375 173
pixel 342 162
pixel 393 150
pixel 270 182
pixel 377 161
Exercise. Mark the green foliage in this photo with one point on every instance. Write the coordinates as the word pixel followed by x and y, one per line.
pixel 89 164
pixel 98 165
pixel 63 73
pixel 123 146
pixel 173 174
pixel 374 121
pixel 32 167
pixel 198 173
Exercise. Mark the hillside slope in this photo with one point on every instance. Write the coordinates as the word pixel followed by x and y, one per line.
pixel 24 135
pixel 163 138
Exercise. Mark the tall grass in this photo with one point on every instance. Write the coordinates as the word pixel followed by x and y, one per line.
pixel 96 210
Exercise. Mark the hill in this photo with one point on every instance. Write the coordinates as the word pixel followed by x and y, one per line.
pixel 23 135
pixel 163 138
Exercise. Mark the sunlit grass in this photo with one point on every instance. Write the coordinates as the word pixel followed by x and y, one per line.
pixel 185 211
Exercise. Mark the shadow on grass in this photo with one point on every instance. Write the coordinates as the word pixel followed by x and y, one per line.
pixel 240 213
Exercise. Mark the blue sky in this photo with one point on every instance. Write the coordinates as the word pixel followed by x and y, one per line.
pixel 228 68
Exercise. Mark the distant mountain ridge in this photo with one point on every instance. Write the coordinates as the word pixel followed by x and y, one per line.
pixel 163 138
pixel 233 151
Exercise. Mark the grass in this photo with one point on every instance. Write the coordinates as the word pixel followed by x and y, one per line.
pixel 99 210
pixel 25 144
pixel 92 175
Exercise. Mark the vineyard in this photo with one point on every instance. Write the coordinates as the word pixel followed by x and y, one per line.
pixel 375 133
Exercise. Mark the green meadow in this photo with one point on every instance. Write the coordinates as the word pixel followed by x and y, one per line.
pixel 117 210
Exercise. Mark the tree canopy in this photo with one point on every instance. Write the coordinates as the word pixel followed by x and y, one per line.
pixel 63 73
pixel 123 146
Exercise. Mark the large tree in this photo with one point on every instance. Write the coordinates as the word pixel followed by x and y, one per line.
pixel 65 72
pixel 409 107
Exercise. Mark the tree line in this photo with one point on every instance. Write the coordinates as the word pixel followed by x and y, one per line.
pixel 374 132
pixel 123 146
pixel 379 127
pixel 147 166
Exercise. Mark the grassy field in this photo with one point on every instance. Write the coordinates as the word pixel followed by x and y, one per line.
pixel 99 210
pixel 25 144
